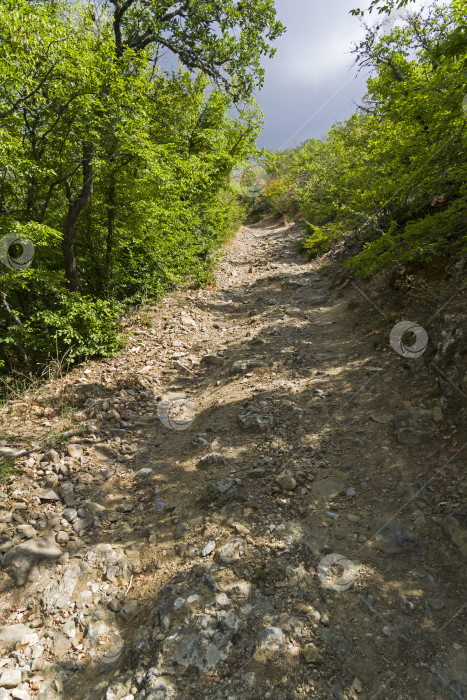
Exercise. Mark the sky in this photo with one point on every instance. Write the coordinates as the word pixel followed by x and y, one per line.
pixel 312 81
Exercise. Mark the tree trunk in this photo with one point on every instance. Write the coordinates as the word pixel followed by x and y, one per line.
pixel 14 319
pixel 75 207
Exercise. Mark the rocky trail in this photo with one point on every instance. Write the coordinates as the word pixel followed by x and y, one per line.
pixel 250 501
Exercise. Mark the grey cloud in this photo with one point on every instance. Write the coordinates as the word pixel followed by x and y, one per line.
pixel 310 83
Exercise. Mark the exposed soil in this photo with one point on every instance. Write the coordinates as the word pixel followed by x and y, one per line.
pixel 301 434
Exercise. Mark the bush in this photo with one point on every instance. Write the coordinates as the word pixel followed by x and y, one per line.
pixel 76 328
pixel 320 239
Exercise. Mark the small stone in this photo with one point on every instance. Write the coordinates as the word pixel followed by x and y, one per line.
pixel 208 548
pixel 26 531
pixel 114 605
pixel 180 531
pixel 254 419
pixel 318 301
pixel 437 414
pixel 258 473
pixel 240 529
pixel 350 491
pixel 225 485
pixel 135 566
pixel 49 495
pixel 213 360
pixel 144 473
pixel 357 685
pixel 272 639
pixel 243 366
pixel 52 456
pixel 61 645
pixel 231 551
pixel 222 600
pixel 455 526
pixel 20 694
pixel 129 610
pixel 291 533
pixel 10 678
pixel 67 492
pixel 209 460
pixel 69 628
pixel 12 634
pixel 94 508
pixel 75 450
pixel 311 655
pixel 70 514
pixel 392 537
pixel 287 482
pixel 188 321
pixel 82 524
pixel 62 537
pixel 353 517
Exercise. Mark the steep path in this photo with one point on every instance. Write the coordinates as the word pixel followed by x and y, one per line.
pixel 191 492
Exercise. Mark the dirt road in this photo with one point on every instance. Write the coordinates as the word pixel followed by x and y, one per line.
pixel 250 501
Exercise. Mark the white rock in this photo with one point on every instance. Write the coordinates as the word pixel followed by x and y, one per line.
pixel 10 678
pixel 20 694
pixel 74 450
pixel 272 638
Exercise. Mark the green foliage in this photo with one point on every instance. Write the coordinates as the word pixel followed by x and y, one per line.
pixel 7 469
pixel 419 240
pixel 320 239
pixel 79 324
pixel 212 498
pixel 257 573
pixel 118 172
pixel 391 179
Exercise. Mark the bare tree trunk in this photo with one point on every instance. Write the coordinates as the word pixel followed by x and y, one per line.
pixel 75 207
pixel 12 316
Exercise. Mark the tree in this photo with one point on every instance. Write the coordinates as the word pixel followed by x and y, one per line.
pixel 392 178
pixel 224 40
pixel 453 46
pixel 117 171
